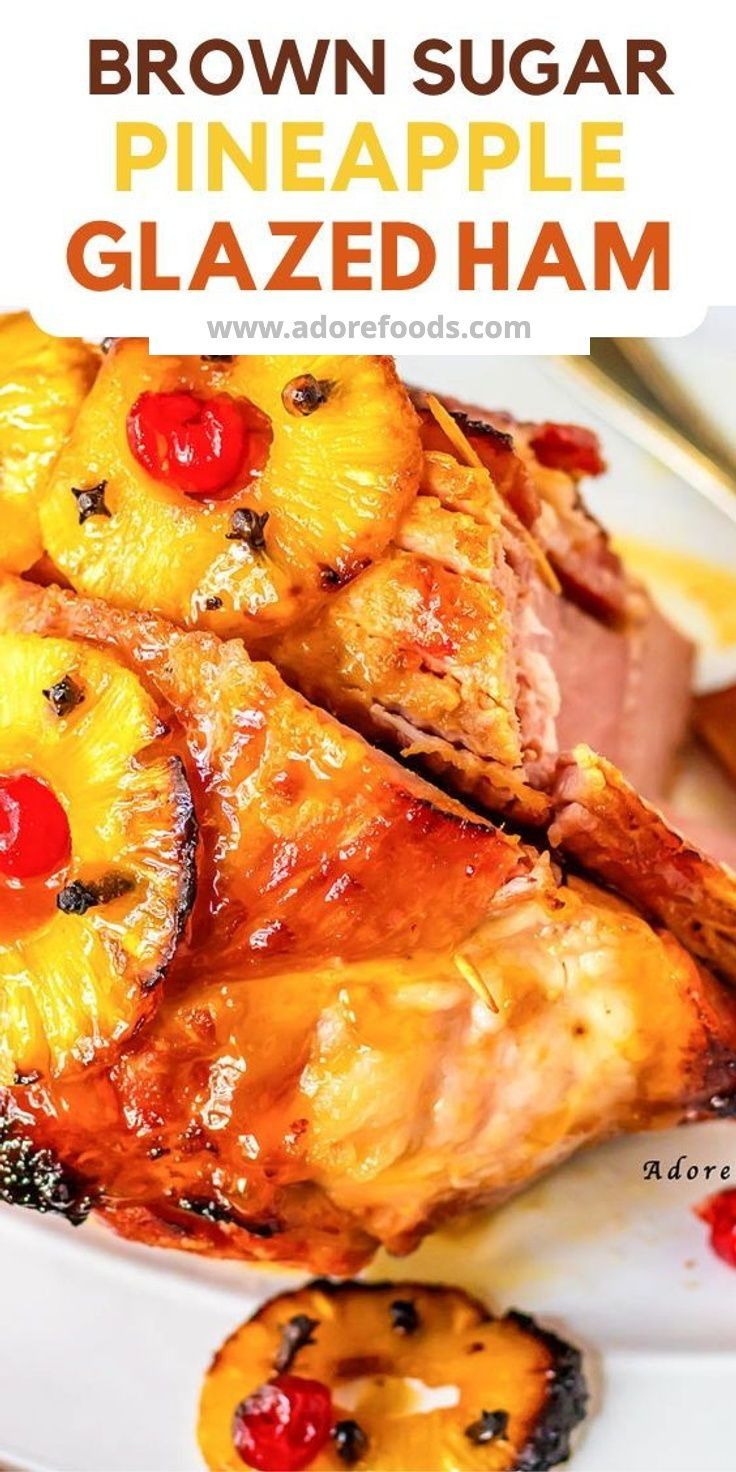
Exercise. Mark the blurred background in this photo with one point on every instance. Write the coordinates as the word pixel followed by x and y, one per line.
pixel 690 381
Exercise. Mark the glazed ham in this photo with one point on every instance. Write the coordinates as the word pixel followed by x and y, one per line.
pixel 499 628
pixel 385 1010
pixel 363 1007
pixel 607 827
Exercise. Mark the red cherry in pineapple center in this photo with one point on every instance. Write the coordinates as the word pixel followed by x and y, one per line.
pixel 283 1425
pixel 198 445
pixel 34 829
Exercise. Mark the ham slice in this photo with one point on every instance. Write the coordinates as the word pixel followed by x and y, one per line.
pixel 602 823
pixel 499 628
pixel 623 691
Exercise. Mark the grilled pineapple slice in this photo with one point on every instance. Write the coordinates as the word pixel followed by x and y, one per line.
pixel 231 493
pixel 43 381
pixel 399 1377
pixel 82 948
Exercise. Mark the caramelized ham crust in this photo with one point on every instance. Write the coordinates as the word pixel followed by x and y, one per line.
pixel 602 823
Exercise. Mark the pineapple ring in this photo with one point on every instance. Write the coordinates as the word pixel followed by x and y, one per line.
pixel 71 983
pixel 343 463
pixel 43 381
pixel 498 1393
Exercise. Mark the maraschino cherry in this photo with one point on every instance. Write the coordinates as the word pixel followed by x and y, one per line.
pixel 34 829
pixel 201 446
pixel 283 1425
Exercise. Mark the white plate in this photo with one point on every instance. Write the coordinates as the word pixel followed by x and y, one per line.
pixel 105 1344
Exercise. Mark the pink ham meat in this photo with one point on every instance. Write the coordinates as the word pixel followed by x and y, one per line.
pixel 624 691
pixel 621 673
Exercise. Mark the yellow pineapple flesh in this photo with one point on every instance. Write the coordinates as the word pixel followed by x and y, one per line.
pixel 338 475
pixel 43 381
pixel 381 1349
pixel 72 982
